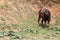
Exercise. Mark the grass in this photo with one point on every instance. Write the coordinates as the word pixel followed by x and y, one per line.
pixel 27 27
pixel 30 32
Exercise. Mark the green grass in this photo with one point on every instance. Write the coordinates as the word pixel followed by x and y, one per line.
pixel 31 32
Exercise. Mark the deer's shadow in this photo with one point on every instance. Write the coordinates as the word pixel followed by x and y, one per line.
pixel 43 25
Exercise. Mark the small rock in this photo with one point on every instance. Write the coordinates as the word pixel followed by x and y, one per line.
pixel 1 35
pixel 35 31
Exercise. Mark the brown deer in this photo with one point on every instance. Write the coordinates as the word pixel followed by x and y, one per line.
pixel 45 15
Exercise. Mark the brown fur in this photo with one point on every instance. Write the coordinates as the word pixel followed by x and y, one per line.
pixel 45 15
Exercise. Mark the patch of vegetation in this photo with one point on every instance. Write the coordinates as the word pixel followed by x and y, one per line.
pixel 3 19
pixel 55 28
